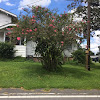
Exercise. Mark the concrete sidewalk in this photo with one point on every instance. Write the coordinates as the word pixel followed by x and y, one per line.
pixel 22 92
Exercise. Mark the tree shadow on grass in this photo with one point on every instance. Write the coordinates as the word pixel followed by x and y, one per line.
pixel 38 70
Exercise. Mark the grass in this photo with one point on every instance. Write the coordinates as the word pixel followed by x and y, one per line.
pixel 30 75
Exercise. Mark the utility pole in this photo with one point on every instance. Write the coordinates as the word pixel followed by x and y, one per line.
pixel 88 38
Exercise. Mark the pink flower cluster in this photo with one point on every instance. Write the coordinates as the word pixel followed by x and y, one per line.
pixel 33 20
pixel 18 38
pixel 8 33
pixel 47 14
pixel 9 29
pixel 62 43
pixel 52 21
pixel 69 29
pixel 35 29
pixel 53 17
pixel 33 16
pixel 55 30
pixel 17 25
pixel 29 30
pixel 60 15
pixel 51 25
pixel 63 33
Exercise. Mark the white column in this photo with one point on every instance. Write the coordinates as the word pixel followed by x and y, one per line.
pixel 4 36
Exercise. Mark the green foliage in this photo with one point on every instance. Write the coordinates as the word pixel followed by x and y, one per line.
pixel 79 55
pixel 82 10
pixel 99 60
pixel 92 53
pixel 6 51
pixel 73 62
pixel 19 59
pixel 52 33
pixel 52 57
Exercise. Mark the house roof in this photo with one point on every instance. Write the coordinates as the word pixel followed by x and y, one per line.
pixel 9 13
pixel 4 26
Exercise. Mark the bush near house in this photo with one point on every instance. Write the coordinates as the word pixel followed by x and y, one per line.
pixel 79 56
pixel 6 51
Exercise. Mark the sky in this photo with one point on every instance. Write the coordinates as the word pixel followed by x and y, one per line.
pixel 15 6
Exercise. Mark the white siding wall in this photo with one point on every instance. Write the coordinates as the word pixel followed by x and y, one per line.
pixel 68 52
pixel 20 50
pixel 30 49
pixel 4 19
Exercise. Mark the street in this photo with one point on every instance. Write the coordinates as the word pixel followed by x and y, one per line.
pixel 54 97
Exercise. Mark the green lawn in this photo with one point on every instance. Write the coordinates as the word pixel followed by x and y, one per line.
pixel 30 75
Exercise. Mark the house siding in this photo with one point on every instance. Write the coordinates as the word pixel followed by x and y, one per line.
pixel 30 49
pixel 68 51
pixel 4 19
pixel 20 50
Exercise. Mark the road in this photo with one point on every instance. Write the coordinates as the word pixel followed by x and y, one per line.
pixel 53 94
pixel 54 97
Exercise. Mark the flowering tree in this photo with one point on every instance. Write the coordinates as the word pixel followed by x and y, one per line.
pixel 52 33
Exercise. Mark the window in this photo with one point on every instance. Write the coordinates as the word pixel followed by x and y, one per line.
pixel 20 42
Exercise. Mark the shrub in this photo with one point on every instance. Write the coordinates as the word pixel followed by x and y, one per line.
pixel 52 57
pixel 79 55
pixel 99 60
pixel 52 33
pixel 6 51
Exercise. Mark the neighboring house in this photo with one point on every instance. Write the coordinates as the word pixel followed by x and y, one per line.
pixel 8 19
pixel 95 58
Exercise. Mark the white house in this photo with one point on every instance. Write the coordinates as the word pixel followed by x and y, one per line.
pixel 8 19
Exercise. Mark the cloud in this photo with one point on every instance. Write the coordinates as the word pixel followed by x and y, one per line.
pixel 95 42
pixel 72 11
pixel 76 18
pixel 9 4
pixel 25 3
